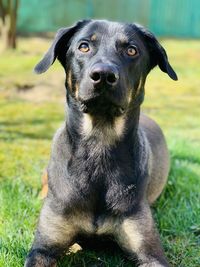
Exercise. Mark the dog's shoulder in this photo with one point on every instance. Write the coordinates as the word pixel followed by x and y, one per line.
pixel 152 131
pixel 60 145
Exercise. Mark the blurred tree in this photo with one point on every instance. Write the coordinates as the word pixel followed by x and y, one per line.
pixel 8 22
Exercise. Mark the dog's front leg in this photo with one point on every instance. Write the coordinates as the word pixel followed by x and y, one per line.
pixel 137 235
pixel 54 235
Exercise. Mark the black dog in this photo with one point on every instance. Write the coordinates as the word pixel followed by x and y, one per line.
pixel 108 162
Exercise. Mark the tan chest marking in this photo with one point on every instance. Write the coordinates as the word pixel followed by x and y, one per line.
pixel 107 134
pixel 87 124
pixel 119 126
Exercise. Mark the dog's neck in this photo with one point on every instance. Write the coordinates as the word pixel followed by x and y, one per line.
pixel 82 127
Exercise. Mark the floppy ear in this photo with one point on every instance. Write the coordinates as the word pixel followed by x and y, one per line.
pixel 158 55
pixel 59 47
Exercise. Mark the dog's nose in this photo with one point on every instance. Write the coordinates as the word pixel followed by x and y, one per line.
pixel 104 74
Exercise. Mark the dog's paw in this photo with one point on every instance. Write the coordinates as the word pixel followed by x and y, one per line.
pixel 36 259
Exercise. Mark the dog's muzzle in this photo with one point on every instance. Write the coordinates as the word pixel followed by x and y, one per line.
pixel 103 82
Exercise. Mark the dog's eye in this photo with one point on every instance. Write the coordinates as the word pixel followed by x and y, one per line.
pixel 131 51
pixel 84 47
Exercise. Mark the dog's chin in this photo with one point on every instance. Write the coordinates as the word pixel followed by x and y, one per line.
pixel 101 107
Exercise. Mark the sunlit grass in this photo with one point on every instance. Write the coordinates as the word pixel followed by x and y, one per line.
pixel 26 129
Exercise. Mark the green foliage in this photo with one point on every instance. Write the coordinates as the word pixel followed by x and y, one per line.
pixel 28 121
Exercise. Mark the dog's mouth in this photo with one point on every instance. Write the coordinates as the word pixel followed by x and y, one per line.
pixel 100 106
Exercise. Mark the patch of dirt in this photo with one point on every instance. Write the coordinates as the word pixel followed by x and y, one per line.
pixel 48 87
pixel 41 93
pixel 24 87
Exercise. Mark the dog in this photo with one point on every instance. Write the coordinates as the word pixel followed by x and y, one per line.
pixel 109 162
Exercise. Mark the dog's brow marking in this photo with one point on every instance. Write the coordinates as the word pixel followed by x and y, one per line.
pixel 119 126
pixel 93 37
pixel 123 38
pixel 87 124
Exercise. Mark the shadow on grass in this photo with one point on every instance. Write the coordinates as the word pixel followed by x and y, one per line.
pixel 13 135
pixel 101 254
pixel 24 122
pixel 11 130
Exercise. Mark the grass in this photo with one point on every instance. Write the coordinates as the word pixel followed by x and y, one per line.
pixel 31 110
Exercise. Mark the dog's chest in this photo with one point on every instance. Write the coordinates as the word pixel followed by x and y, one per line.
pixel 104 179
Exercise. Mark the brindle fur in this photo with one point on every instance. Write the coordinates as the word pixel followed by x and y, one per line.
pixel 108 161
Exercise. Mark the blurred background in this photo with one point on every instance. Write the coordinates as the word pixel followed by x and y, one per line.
pixel 180 18
pixel 32 108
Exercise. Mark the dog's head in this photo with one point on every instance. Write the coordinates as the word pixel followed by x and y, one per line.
pixel 106 64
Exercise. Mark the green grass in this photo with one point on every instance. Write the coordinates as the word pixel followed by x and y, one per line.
pixel 28 121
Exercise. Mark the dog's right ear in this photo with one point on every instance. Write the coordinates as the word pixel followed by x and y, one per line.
pixel 59 47
pixel 158 55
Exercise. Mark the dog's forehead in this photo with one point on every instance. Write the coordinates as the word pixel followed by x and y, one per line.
pixel 108 29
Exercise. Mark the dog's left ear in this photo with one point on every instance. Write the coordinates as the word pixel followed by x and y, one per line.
pixel 59 47
pixel 158 55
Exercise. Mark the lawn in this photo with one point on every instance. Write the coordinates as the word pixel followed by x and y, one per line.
pixel 32 108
